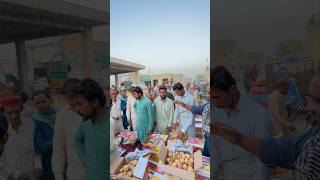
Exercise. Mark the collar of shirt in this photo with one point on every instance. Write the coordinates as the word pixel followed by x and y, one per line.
pixel 162 100
pixel 141 98
pixel 242 104
pixel 117 101
pixel 102 119
pixel 123 98
pixel 185 95
pixel 11 131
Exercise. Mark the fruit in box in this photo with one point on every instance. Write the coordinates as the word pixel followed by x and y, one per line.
pixel 127 169
pixel 130 137
pixel 180 160
pixel 153 157
pixel 196 143
pixel 174 136
pixel 155 140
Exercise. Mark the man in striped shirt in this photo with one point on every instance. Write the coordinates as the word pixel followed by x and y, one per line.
pixel 301 153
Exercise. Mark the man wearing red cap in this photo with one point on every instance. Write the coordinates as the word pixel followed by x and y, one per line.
pixel 19 153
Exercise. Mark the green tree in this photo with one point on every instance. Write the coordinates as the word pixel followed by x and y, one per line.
pixel 289 48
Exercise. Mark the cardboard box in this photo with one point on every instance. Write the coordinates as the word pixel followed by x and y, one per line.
pixel 140 172
pixel 177 172
pixel 204 172
pixel 129 137
pixel 159 176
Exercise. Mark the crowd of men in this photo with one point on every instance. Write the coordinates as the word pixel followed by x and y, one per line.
pixel 156 110
pixel 41 141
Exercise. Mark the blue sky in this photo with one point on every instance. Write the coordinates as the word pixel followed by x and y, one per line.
pixel 165 35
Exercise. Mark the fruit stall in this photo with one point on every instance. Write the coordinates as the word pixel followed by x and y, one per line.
pixel 160 157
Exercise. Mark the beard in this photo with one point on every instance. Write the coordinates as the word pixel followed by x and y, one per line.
pixel 85 118
pixel 88 116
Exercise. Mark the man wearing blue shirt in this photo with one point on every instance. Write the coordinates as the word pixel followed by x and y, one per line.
pixel 301 153
pixel 123 99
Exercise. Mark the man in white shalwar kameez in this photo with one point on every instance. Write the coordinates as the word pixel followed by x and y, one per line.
pixel 19 153
pixel 66 125
pixel 116 112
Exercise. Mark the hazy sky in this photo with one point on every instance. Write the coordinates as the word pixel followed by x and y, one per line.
pixel 260 25
pixel 165 35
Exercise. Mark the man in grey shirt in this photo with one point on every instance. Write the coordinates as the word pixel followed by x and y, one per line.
pixel 246 116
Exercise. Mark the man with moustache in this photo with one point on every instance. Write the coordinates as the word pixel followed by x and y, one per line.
pixel 185 117
pixel 243 114
pixel 91 138
pixel 164 111
pixel 116 113
pixel 144 113
pixel 19 152
pixel 44 118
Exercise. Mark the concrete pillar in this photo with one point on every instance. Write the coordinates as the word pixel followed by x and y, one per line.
pixel 25 70
pixel 135 78
pixel 116 77
pixel 87 49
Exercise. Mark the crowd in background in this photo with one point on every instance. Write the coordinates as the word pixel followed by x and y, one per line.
pixel 41 141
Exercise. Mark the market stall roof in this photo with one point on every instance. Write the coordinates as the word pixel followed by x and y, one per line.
pixel 33 19
pixel 120 66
